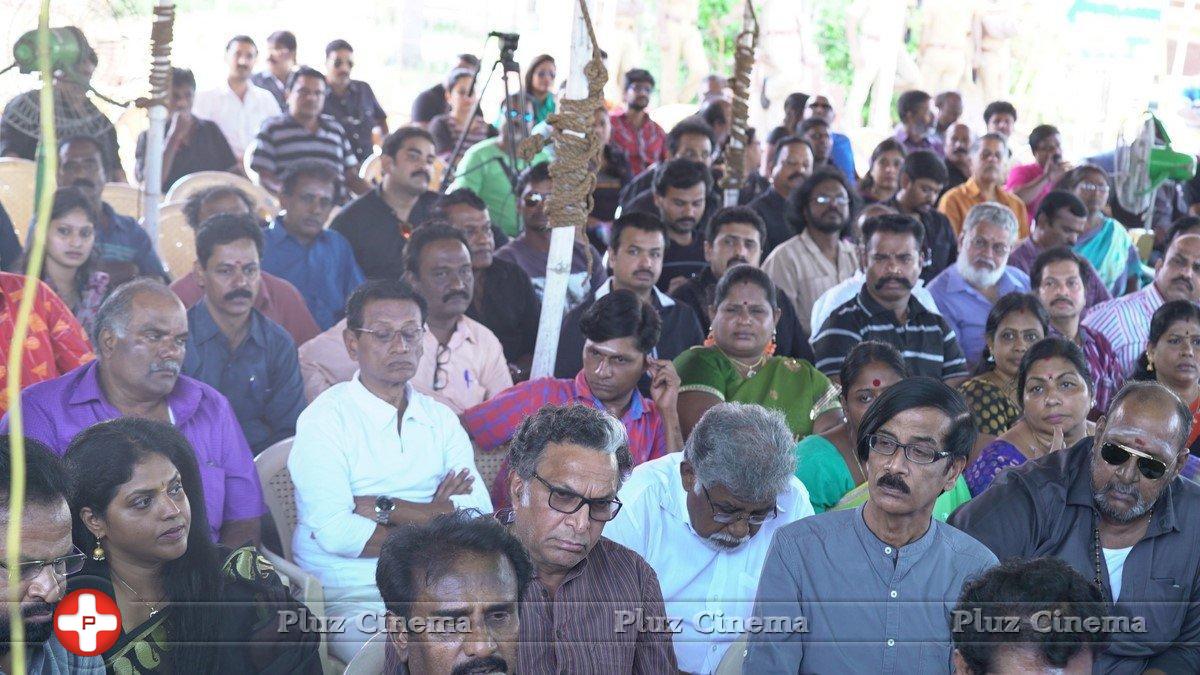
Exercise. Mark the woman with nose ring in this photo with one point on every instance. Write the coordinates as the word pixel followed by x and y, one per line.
pixel 1015 323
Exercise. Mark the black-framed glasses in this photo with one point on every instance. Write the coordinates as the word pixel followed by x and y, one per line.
pixel 441 376
pixel 917 454
pixel 1116 454
pixel 565 501
pixel 62 566
pixel 726 517
pixel 410 336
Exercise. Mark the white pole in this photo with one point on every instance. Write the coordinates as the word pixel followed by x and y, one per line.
pixel 562 239
pixel 152 189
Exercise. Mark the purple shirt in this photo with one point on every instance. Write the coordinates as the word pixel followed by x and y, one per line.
pixel 58 409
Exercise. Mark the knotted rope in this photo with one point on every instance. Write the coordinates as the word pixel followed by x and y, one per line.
pixel 743 63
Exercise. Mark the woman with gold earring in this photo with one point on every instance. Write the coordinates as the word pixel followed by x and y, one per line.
pixel 1173 357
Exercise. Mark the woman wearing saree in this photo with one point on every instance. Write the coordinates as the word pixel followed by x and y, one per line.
pixel 186 605
pixel 736 363
pixel 1105 243
pixel 1172 358
pixel 1016 322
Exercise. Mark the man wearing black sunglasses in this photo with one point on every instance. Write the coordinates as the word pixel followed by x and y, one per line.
pixel 593 606
pixel 46 558
pixel 1116 509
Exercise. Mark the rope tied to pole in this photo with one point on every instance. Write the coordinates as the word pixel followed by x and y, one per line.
pixel 162 32
pixel 743 63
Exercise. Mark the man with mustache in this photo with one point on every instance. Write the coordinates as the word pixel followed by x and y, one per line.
pixel 352 102
pixel 816 258
pixel 141 335
pixel 989 160
pixel 957 141
pixel 916 123
pixel 461 571
pixel 1116 509
pixel 886 310
pixel 464 363
pixel 378 223
pixel 372 454
pixel 792 163
pixel 636 258
pixel 873 584
pixel 1057 279
pixel 319 262
pixel 734 237
pixel 281 59
pixel 123 247
pixel 231 346
pixel 593 606
pixel 46 558
pixel 966 291
pixel 682 191
pixel 642 139
pixel 304 133
pixel 237 105
pixel 1125 321
pixel 921 179
pixel 704 518
pixel 1061 219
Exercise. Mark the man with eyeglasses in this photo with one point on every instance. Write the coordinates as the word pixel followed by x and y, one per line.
pixel 46 558
pixel 1116 509
pixel 1061 219
pixel 989 166
pixel 593 606
pixel 231 346
pixel 872 586
pixel 704 519
pixel 373 453
pixel 319 262
pixel 352 102
pixel 966 291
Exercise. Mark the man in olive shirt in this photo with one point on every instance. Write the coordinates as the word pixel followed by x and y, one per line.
pixel 1117 510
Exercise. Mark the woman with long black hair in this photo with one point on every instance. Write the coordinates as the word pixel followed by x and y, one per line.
pixel 186 605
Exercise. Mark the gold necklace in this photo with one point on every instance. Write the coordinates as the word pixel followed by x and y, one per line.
pixel 739 365
pixel 153 609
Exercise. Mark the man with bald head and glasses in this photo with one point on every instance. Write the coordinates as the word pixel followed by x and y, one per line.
pixel 1116 509
pixel 593 606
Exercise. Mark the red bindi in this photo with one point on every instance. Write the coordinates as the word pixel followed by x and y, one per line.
pixel 876 383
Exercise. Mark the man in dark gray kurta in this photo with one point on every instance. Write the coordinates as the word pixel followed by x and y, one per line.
pixel 1150 562
pixel 870 590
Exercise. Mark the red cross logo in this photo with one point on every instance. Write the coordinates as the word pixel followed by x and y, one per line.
pixel 87 622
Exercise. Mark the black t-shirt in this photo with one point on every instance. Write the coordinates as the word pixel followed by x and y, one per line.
pixel 429 104
pixel 375 233
pixel 206 150
pixel 509 308
pixel 359 112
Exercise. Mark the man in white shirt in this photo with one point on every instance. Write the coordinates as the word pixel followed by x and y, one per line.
pixel 371 454
pixel 704 519
pixel 237 106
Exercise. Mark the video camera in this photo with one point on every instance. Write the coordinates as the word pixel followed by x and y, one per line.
pixel 508 45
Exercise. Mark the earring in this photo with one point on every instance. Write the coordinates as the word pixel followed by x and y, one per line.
pixel 98 552
pixel 771 346
pixel 711 339
pixel 1149 364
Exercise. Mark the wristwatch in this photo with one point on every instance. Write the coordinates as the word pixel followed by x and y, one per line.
pixel 383 509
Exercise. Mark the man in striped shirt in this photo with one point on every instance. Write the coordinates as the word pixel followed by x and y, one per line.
pixel 1125 321
pixel 886 311
pixel 303 132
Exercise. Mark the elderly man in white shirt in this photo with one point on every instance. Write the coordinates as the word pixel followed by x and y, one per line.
pixel 704 519
pixel 238 106
pixel 371 454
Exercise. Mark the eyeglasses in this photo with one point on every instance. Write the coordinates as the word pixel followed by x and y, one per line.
pixel 917 454
pixel 410 336
pixel 824 200
pixel 726 517
pixel 67 564
pixel 997 248
pixel 1117 454
pixel 441 376
pixel 1092 187
pixel 565 501
pixel 534 198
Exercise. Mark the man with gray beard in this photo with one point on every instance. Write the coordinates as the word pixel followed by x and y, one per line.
pixel 704 519
pixel 966 291
pixel 1116 509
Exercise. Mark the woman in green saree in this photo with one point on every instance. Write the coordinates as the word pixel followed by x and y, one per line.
pixel 736 363
pixel 139 513
pixel 828 463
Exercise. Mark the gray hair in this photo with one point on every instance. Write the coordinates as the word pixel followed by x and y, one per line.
pixel 116 309
pixel 744 447
pixel 994 213
pixel 575 424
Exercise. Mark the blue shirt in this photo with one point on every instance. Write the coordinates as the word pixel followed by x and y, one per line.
pixel 965 309
pixel 324 271
pixel 119 239
pixel 842 156
pixel 261 377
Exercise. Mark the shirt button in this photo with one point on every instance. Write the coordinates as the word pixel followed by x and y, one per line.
pixel 891 642
pixel 894 594
pixel 887 550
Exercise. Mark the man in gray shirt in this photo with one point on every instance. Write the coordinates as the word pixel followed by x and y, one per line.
pixel 1116 509
pixel 870 590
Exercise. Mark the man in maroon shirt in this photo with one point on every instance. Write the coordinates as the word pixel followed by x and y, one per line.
pixel 642 139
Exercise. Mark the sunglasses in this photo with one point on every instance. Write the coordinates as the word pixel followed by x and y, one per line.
pixel 1117 454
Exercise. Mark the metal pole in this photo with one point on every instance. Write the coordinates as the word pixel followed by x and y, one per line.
pixel 160 81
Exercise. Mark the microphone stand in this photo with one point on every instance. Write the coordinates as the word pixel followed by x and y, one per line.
pixel 508 64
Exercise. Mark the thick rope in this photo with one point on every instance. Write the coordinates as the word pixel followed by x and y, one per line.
pixel 162 33
pixel 743 63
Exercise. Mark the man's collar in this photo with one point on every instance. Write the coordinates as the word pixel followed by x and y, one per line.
pixel 382 413
pixel 279 232
pixel 661 299
pixel 971 187
pixel 183 400
pixel 874 543
pixel 206 327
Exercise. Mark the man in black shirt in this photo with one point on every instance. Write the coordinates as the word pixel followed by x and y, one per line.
pixel 504 300
pixel 683 200
pixel 958 155
pixel 636 258
pixel 378 223
pixel 921 180
pixel 352 102
pixel 734 237
pixel 792 163
pixel 432 102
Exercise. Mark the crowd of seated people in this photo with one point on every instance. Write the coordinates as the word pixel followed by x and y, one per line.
pixel 788 433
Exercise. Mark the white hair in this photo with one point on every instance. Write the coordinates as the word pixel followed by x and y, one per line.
pixel 994 213
pixel 744 447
